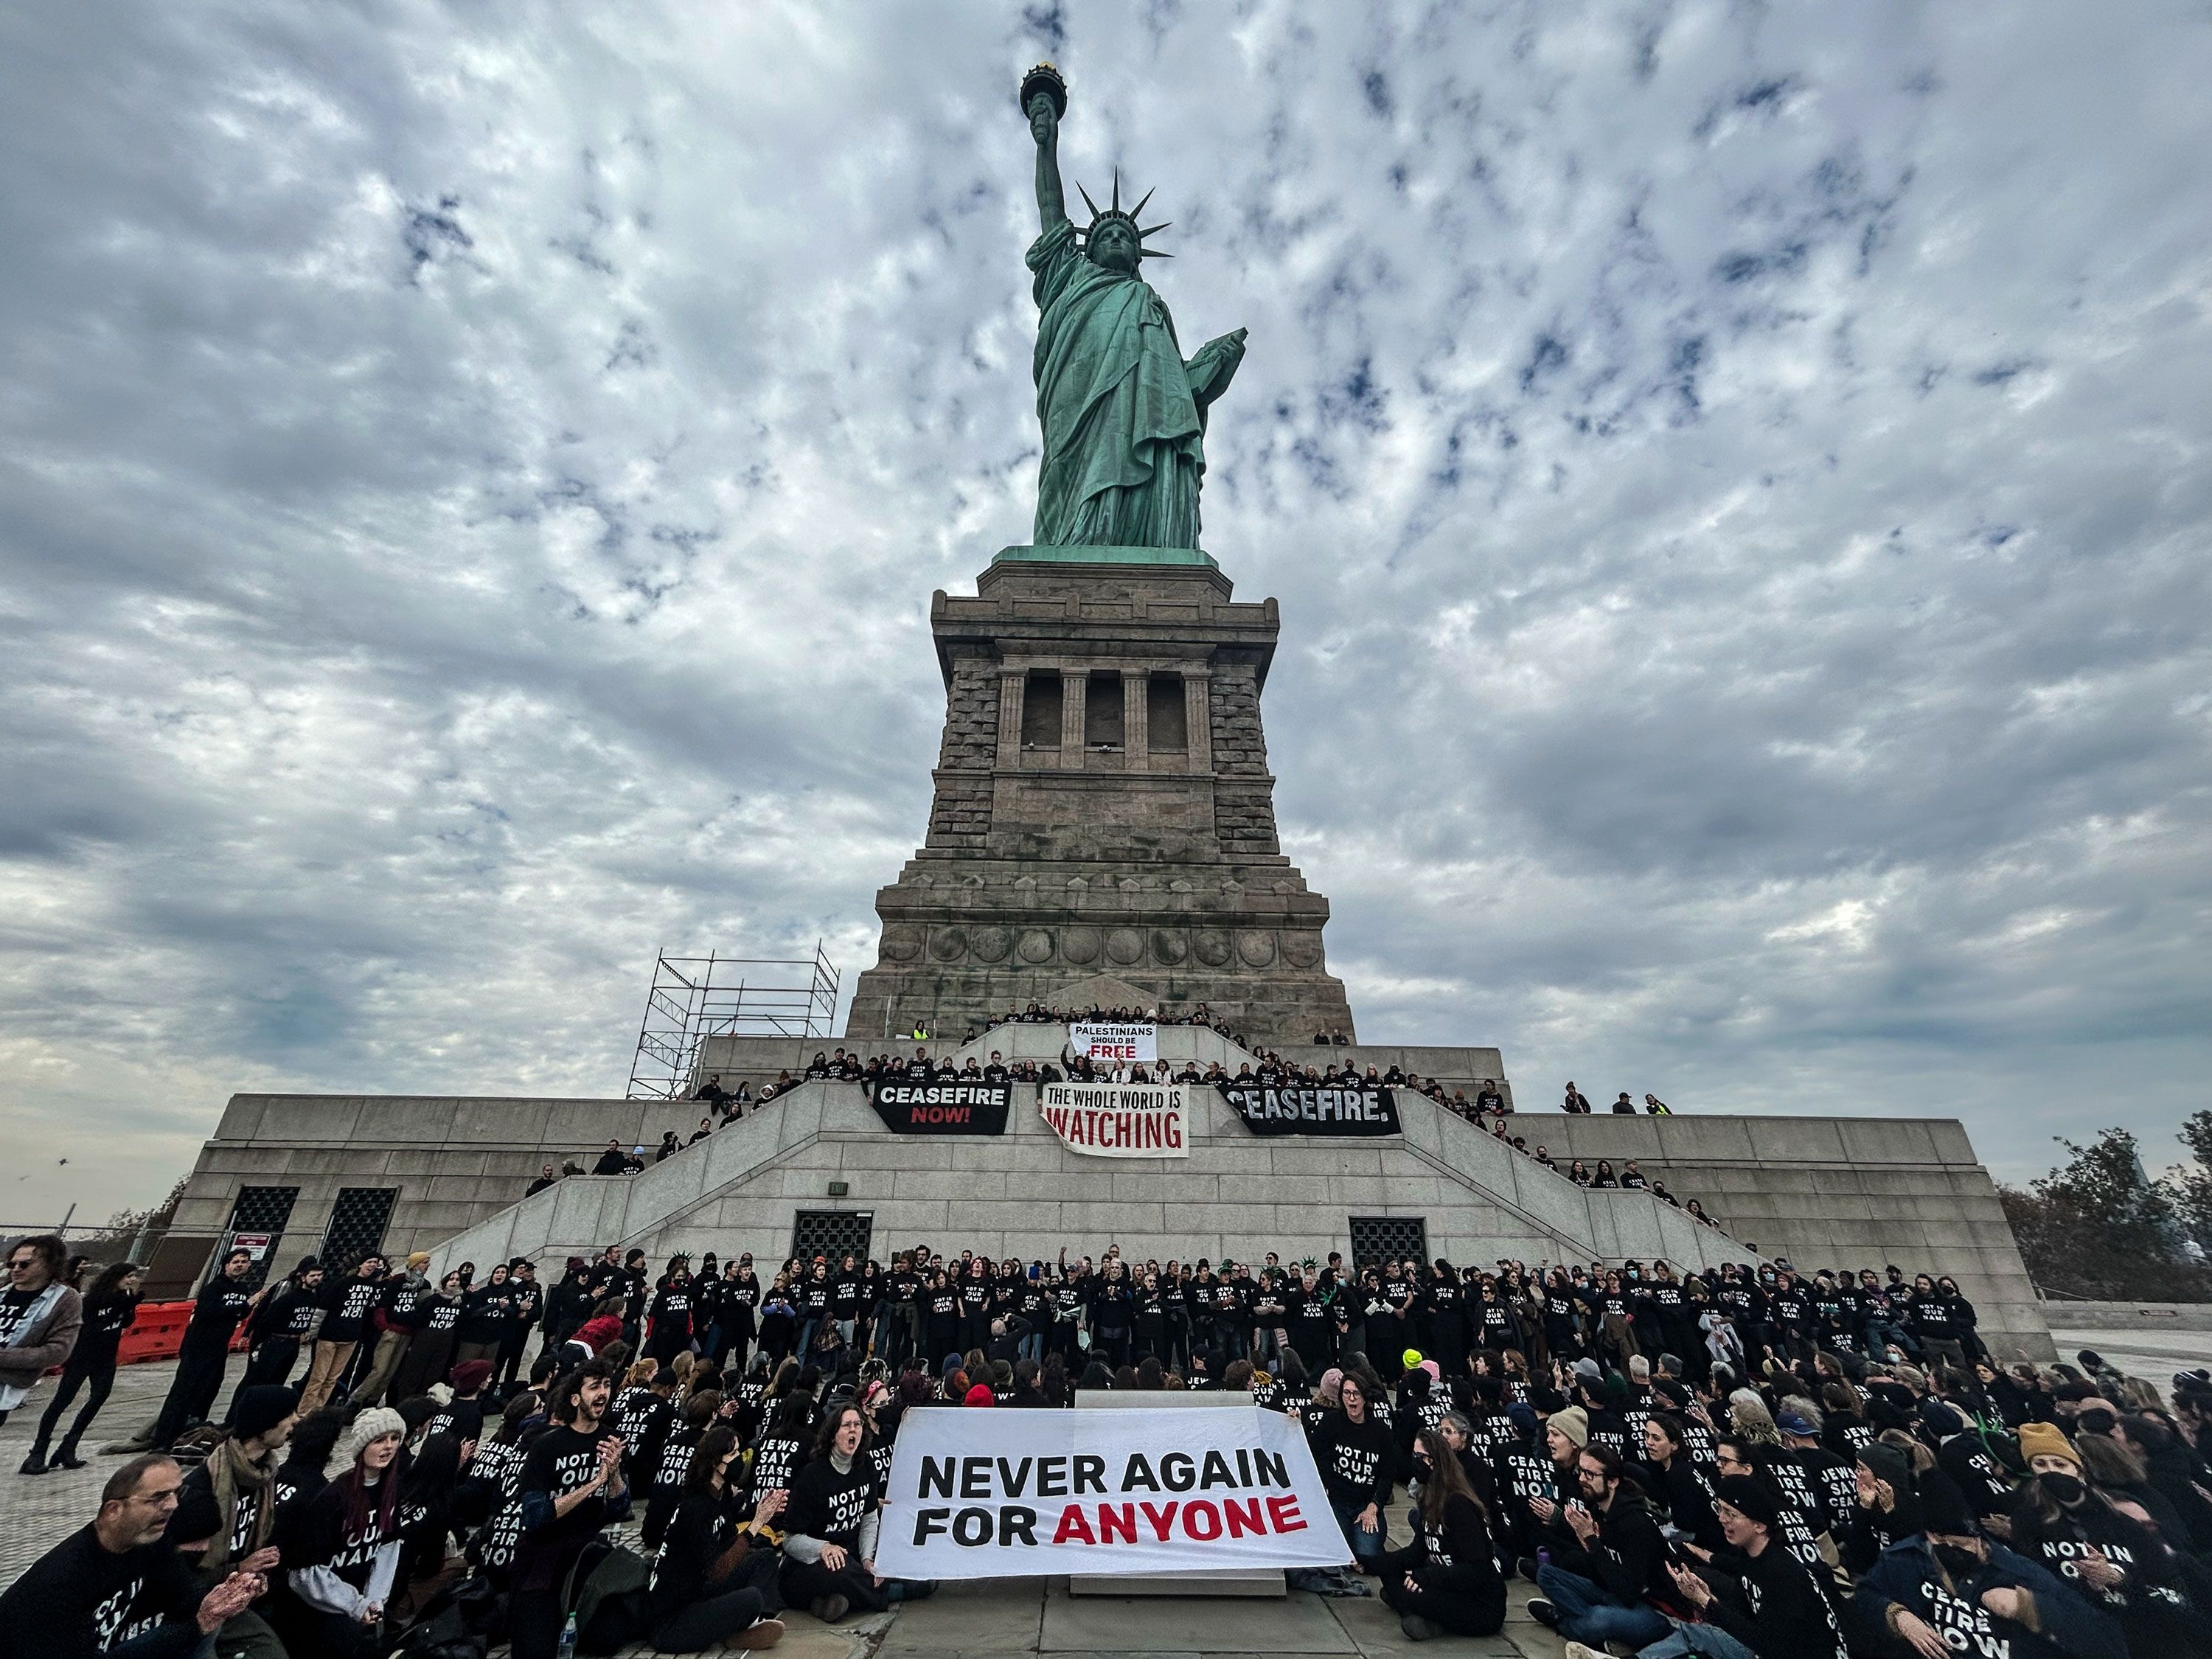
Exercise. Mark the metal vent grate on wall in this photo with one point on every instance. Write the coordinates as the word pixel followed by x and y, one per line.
pixel 832 1233
pixel 259 1210
pixel 358 1222
pixel 1376 1239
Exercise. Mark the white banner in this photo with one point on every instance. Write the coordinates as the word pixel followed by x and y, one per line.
pixel 1105 1043
pixel 1000 1494
pixel 1119 1120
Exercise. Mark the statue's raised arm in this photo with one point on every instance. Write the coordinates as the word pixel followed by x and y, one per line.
pixel 1044 127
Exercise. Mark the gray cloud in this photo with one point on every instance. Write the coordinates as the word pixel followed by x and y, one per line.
pixel 471 483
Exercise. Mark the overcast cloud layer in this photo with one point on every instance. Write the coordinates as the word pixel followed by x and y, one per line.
pixel 471 480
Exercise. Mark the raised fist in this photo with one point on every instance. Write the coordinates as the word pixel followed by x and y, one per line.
pixel 1044 122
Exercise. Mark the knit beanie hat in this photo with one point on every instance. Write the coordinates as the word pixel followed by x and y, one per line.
pixel 1887 1463
pixel 981 1395
pixel 1751 1497
pixel 376 1421
pixel 470 1375
pixel 1573 1423
pixel 262 1407
pixel 2047 1440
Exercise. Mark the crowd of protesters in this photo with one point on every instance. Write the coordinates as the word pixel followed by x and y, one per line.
pixel 1745 1460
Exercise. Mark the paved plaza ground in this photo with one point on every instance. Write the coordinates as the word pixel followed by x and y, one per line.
pixel 1005 1619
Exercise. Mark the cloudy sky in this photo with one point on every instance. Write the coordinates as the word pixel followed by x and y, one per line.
pixel 471 480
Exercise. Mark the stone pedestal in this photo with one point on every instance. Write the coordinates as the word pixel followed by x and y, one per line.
pixel 1103 807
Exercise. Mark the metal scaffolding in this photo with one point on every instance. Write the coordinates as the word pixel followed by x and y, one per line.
pixel 694 998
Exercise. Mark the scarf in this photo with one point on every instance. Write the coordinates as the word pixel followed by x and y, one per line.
pixel 230 1472
pixel 34 1319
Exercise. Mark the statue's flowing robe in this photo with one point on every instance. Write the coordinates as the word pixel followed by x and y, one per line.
pixel 1122 431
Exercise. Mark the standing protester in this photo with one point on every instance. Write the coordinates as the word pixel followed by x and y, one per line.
pixel 109 1306
pixel 394 1320
pixel 525 1311
pixel 114 1590
pixel 348 1304
pixel 572 1485
pixel 39 1318
pixel 430 1344
pixel 275 1330
pixel 222 1302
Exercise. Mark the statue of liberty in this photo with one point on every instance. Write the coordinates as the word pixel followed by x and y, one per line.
pixel 1123 414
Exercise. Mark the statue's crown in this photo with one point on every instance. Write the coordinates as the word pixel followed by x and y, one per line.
pixel 1114 211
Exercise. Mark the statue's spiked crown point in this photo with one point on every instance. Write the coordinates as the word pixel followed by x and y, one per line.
pixel 1115 210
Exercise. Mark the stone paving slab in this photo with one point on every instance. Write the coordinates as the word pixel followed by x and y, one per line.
pixel 1146 1624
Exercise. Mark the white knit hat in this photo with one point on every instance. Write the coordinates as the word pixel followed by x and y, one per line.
pixel 375 1421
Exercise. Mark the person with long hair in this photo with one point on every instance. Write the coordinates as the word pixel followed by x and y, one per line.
pixel 1353 1452
pixel 1446 1582
pixel 110 1307
pixel 704 1591
pixel 342 1557
pixel 431 1346
pixel 830 1527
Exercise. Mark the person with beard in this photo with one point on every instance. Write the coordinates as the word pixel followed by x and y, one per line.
pixel 712 1576
pixel 40 1316
pixel 114 1588
pixel 343 1558
pixel 225 1516
pixel 1446 1582
pixel 571 1486
pixel 110 1307
pixel 1762 1605
pixel 2121 1565
pixel 222 1302
pixel 1951 1590
pixel 1625 1556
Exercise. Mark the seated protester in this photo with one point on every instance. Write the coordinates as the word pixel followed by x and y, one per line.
pixel 343 1558
pixel 1447 1584
pixel 572 1485
pixel 1684 1495
pixel 1830 1477
pixel 1949 1590
pixel 1762 1601
pixel 462 1416
pixel 782 1449
pixel 2062 1522
pixel 830 1526
pixel 426 1511
pixel 1354 1450
pixel 1626 1556
pixel 714 1580
pixel 492 1474
pixel 225 1516
pixel 116 1587
pixel 663 1483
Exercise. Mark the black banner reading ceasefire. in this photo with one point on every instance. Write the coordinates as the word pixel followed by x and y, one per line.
pixel 1314 1108
pixel 942 1108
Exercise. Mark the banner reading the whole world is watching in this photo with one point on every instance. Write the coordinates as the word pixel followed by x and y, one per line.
pixel 1014 1494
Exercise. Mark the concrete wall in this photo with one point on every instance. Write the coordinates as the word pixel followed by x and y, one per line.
pixel 1824 1192
pixel 2137 1317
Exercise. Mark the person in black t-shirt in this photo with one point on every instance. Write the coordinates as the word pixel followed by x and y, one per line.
pixel 572 1485
pixel 222 1302
pixel 115 1587
pixel 109 1306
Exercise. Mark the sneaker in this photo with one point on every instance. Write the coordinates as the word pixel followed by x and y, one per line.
pixel 831 1608
pixel 66 1458
pixel 764 1633
pixel 34 1464
pixel 1578 1651
pixel 1544 1614
pixel 1418 1629
pixel 1526 1566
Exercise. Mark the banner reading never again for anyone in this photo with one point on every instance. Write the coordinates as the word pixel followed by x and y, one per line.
pixel 1108 1043
pixel 1000 1494
pixel 1119 1120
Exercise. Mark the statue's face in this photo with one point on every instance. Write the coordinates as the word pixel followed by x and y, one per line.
pixel 1112 247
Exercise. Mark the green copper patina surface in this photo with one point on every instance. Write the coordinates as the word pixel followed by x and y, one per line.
pixel 1123 415
pixel 1094 555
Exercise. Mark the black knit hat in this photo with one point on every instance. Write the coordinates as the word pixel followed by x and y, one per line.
pixel 262 1407
pixel 1751 1495
pixel 1943 1507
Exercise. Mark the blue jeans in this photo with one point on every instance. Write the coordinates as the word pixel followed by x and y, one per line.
pixel 1881 1333
pixel 1365 1546
pixel 1032 1347
pixel 1707 1641
pixel 1593 1615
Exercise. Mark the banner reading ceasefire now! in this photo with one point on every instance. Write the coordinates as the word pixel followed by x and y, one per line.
pixel 999 1494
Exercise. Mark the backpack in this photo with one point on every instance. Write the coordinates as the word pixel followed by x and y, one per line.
pixel 606 1592
pixel 460 1622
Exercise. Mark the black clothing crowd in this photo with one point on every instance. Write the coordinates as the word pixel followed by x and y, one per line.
pixel 1746 1460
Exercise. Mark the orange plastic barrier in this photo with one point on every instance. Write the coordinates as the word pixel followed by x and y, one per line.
pixel 159 1331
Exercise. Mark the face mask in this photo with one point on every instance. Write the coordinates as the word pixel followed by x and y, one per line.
pixel 1957 1561
pixel 2065 1488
